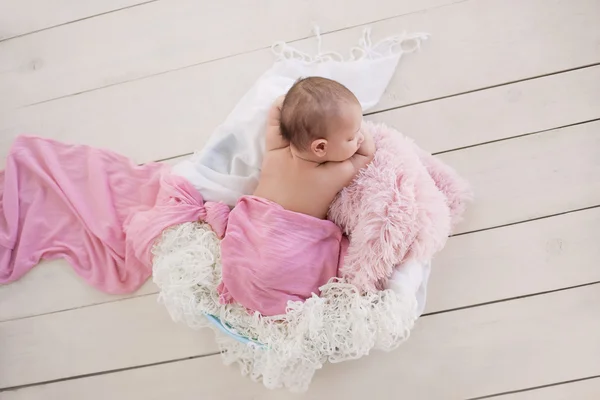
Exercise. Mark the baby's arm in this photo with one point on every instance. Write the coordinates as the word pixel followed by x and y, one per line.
pixel 365 153
pixel 344 172
pixel 273 139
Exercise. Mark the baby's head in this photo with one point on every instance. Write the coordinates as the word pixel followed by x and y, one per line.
pixel 322 119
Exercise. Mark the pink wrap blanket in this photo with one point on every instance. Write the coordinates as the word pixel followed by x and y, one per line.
pixel 103 213
pixel 271 255
pixel 93 207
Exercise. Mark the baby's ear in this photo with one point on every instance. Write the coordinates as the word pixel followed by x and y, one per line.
pixel 319 147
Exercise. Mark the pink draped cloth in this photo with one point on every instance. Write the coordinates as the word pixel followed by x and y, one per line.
pixel 271 255
pixel 95 208
pixel 102 213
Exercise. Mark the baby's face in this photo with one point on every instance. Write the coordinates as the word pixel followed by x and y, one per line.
pixel 345 134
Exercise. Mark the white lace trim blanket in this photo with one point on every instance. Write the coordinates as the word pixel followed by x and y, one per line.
pixel 282 351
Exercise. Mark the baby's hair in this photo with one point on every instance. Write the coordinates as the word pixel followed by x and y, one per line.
pixel 309 106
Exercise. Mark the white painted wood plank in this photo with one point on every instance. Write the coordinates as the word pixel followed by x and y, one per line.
pixel 516 260
pixel 175 112
pixel 582 390
pixel 476 44
pixel 54 286
pixel 25 16
pixel 109 336
pixel 474 352
pixel 531 176
pixel 187 106
pixel 167 35
pixel 501 112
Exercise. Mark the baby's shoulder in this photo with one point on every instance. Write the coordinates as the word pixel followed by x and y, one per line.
pixel 341 172
pixel 339 167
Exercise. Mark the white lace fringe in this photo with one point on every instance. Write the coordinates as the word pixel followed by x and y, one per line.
pixel 339 325
pixel 391 46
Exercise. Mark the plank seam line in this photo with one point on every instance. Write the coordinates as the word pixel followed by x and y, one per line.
pixel 76 20
pixel 117 370
pixel 456 148
pixel 133 296
pixel 111 371
pixel 433 313
pixel 262 48
pixel 519 136
pixel 536 387
pixel 369 113
pixel 527 220
pixel 174 157
pixel 488 87
pixel 507 299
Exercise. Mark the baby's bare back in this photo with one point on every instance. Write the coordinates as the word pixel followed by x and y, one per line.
pixel 299 185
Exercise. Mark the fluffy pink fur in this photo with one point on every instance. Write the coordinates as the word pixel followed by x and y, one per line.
pixel 402 206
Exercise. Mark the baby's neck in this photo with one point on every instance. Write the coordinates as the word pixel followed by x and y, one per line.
pixel 305 159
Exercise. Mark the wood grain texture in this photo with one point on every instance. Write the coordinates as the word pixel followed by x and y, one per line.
pixel 474 352
pixel 168 35
pixel 482 43
pixel 87 340
pixel 516 260
pixel 123 116
pixel 582 390
pixel 54 286
pixel 486 38
pixel 499 113
pixel 25 16
pixel 531 176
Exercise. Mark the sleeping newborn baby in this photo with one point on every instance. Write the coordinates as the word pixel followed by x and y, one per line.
pixel 279 246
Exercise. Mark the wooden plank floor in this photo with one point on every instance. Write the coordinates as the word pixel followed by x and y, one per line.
pixel 505 91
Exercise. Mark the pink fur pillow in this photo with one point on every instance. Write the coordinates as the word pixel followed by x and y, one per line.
pixel 402 206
